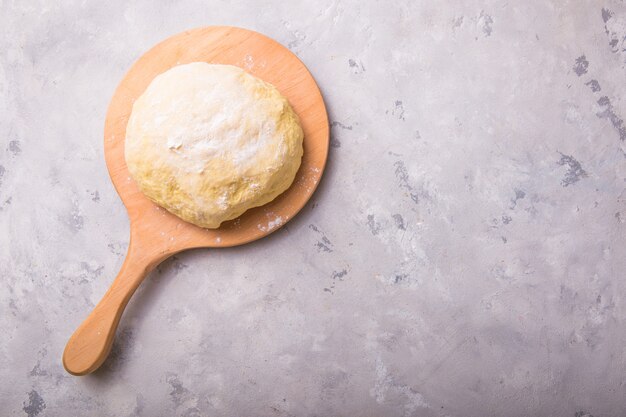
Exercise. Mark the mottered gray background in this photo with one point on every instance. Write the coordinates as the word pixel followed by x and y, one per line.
pixel 465 254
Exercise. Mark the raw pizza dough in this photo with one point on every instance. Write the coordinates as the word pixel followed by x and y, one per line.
pixel 208 142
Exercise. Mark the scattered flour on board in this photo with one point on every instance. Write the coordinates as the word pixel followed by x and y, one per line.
pixel 248 62
pixel 271 225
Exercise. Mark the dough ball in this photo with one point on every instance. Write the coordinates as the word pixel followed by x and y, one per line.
pixel 208 142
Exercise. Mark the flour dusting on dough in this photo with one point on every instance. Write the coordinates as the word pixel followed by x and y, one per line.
pixel 174 143
pixel 208 142
pixel 222 201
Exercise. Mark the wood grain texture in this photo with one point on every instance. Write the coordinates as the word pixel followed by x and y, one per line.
pixel 155 233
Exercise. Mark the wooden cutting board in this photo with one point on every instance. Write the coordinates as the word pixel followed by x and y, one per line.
pixel 155 234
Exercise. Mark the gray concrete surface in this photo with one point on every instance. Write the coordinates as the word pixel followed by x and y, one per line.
pixel 464 256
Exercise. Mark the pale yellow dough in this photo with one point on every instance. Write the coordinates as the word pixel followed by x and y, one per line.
pixel 208 142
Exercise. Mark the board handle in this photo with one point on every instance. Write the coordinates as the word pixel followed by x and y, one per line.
pixel 91 343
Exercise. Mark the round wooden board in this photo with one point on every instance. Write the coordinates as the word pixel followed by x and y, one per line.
pixel 163 233
pixel 156 234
